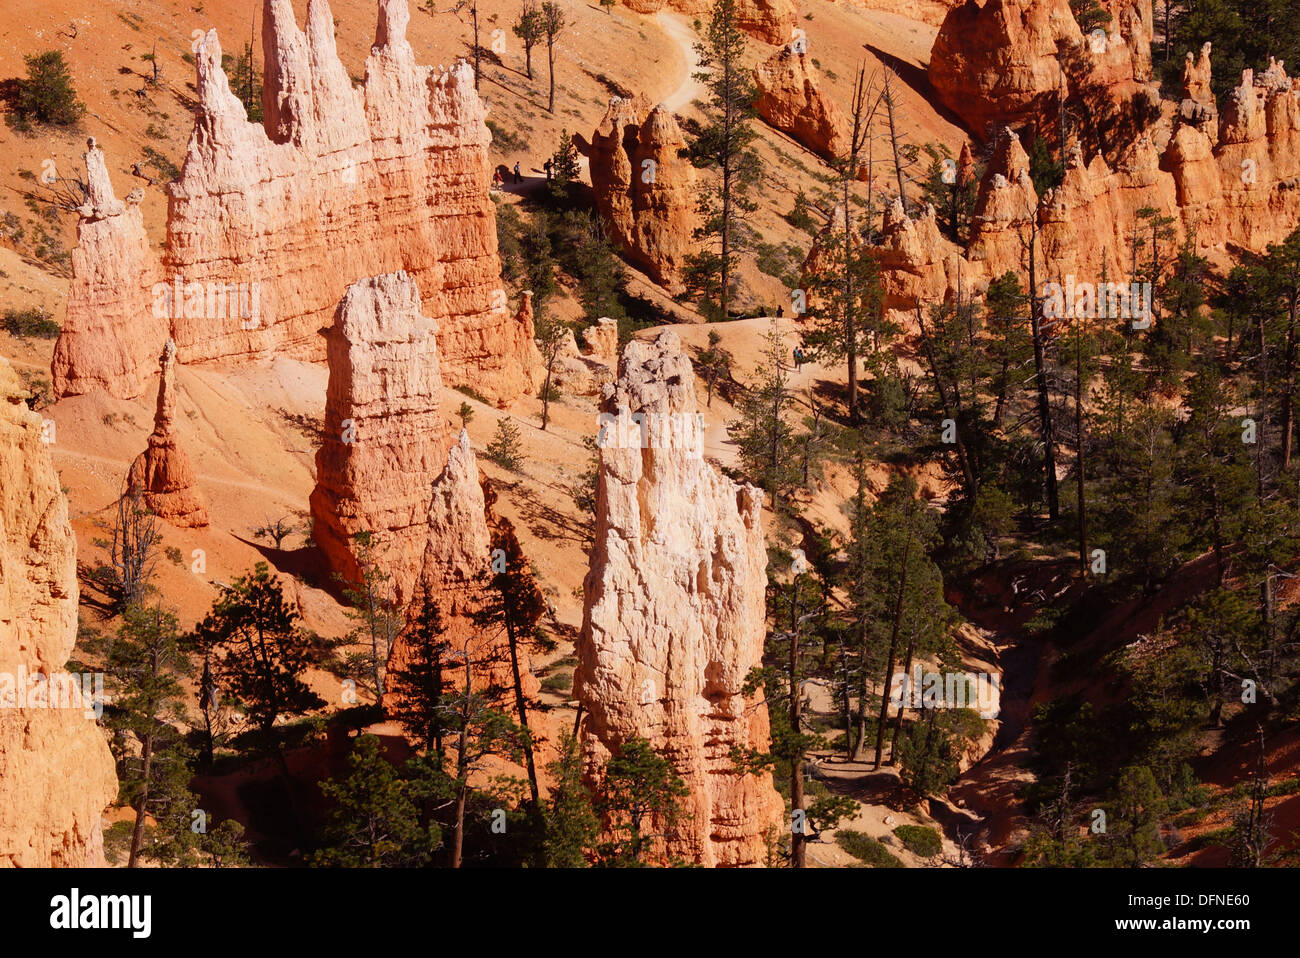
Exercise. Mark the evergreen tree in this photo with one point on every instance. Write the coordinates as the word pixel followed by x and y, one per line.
pixel 259 649
pixel 724 145
pixel 639 800
pixel 377 817
pixel 572 827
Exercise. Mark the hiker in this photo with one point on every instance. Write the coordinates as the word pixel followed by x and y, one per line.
pixel 547 167
pixel 518 179
pixel 497 181
pixel 798 359
pixel 780 311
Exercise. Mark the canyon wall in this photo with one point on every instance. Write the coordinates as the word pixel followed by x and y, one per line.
pixel 673 612
pixel 56 772
pixel 268 224
pixel 771 21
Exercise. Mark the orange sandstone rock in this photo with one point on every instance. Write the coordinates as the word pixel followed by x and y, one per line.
pixel 56 772
pixel 790 98
pixel 111 335
pixel 163 472
pixel 645 191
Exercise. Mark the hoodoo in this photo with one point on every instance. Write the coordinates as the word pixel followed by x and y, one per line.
pixel 673 612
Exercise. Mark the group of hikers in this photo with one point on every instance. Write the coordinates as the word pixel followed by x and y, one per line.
pixel 498 180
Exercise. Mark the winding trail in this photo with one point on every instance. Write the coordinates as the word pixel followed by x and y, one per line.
pixel 691 89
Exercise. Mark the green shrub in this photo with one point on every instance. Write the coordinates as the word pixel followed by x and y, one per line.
pixel 30 323
pixel 866 848
pixel 505 448
pixel 920 840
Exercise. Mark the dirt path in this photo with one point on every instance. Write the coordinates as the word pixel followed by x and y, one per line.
pixel 691 89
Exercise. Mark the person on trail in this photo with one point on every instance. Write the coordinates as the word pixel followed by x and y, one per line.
pixel 497 182
pixel 798 359
pixel 518 179
pixel 547 167
pixel 780 311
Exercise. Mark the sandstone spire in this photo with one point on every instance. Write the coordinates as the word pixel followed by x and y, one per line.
pixel 385 438
pixel 674 610
pixel 163 472
pixel 268 225
pixel 112 331
pixel 56 772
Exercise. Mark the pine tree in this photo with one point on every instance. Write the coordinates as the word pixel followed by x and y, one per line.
pixel 572 827
pixel 505 449
pixel 530 30
pixel 640 800
pixel 419 684
pixel 259 649
pixel 725 146
pixel 146 667
pixel 377 817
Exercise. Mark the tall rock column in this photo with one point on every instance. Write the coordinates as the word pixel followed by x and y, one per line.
pixel 163 471
pixel 56 772
pixel 112 333
pixel 385 439
pixel 673 614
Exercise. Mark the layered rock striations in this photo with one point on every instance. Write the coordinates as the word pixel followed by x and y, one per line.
pixel 56 772
pixel 163 473
pixel 645 190
pixel 268 224
pixel 673 611
pixel 790 98
pixel 389 466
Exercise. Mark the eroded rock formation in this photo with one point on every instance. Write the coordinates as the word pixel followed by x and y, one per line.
pixel 673 611
pixel 1009 62
pixel 111 334
pixel 790 98
pixel 56 772
pixel 386 442
pixel 769 20
pixel 267 225
pixel 163 473
pixel 644 189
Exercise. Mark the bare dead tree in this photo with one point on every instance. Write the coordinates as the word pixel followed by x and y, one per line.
pixel 133 550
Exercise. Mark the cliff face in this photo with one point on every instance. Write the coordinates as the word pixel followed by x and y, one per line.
pixel 673 612
pixel 385 439
pixel 56 772
pixel 163 472
pixel 790 99
pixel 340 183
pixel 644 189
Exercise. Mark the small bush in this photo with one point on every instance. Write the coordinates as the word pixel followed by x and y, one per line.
pixel 920 840
pixel 561 683
pixel 505 449
pixel 866 848
pixel 31 323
